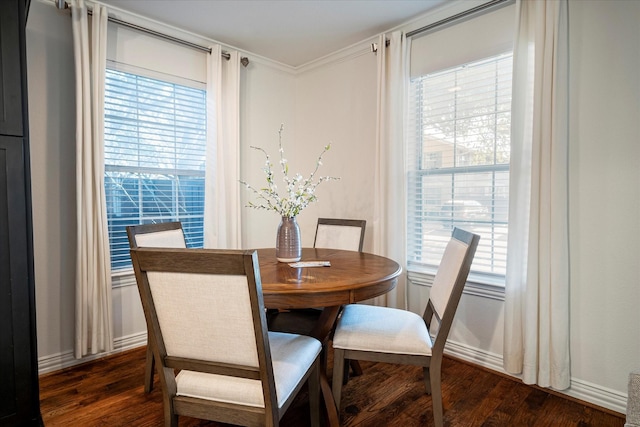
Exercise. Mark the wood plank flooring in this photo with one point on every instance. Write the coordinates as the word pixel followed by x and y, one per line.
pixel 108 393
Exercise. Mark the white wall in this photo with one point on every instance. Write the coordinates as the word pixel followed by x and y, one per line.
pixel 605 191
pixel 52 135
pixel 334 101
pixel 337 104
pixel 268 100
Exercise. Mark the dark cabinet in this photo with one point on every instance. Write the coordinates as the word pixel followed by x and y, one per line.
pixel 11 67
pixel 19 395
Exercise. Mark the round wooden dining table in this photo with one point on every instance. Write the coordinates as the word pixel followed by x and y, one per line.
pixel 350 277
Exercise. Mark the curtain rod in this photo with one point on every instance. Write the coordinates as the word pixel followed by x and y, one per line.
pixel 464 14
pixel 61 4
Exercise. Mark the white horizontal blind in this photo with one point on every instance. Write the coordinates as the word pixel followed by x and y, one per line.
pixel 155 138
pixel 459 145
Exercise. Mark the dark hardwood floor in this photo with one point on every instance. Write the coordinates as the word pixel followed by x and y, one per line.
pixel 108 392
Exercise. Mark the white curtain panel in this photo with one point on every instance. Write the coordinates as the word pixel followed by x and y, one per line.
pixel 93 317
pixel 536 341
pixel 389 230
pixel 222 190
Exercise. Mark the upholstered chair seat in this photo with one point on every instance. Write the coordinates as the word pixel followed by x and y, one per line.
pixel 290 353
pixel 388 330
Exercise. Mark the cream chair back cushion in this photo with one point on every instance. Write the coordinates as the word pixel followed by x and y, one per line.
pixel 446 276
pixel 338 237
pixel 206 317
pixel 161 239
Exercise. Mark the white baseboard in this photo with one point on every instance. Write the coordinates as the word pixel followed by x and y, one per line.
pixel 58 361
pixel 598 395
pixel 579 389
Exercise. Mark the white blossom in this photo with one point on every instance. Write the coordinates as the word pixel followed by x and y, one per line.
pixel 300 190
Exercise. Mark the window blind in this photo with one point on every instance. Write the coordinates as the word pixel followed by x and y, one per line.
pixel 458 170
pixel 150 53
pixel 155 139
pixel 482 36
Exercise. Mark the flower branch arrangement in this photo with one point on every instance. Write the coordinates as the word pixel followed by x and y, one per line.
pixel 299 191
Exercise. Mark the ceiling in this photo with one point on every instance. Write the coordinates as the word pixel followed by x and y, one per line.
pixel 292 32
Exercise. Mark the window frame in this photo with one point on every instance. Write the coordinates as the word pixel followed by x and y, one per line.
pixel 485 284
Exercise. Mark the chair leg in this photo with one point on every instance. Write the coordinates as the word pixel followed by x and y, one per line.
pixel 170 417
pixel 427 379
pixel 172 421
pixel 338 373
pixel 345 373
pixel 314 395
pixel 148 370
pixel 323 357
pixel 355 367
pixel 436 395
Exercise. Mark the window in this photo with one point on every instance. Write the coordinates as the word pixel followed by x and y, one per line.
pixel 155 138
pixel 459 146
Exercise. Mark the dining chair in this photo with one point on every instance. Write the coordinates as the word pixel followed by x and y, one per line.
pixel 206 313
pixel 384 334
pixel 335 233
pixel 331 233
pixel 163 235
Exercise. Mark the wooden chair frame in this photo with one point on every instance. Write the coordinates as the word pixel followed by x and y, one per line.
pixel 432 365
pixel 218 262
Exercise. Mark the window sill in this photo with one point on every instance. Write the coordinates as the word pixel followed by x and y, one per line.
pixel 477 285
